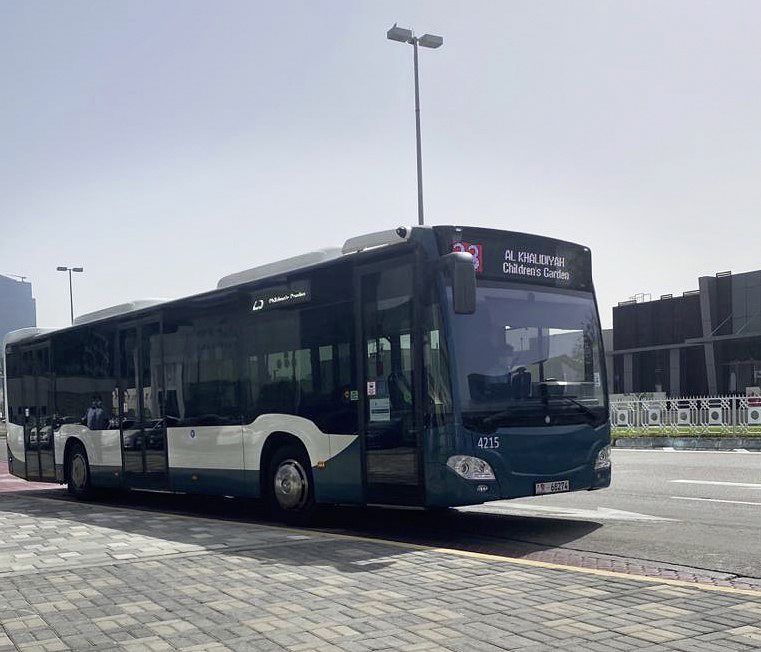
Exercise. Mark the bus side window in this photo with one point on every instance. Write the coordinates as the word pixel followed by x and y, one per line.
pixel 84 368
pixel 201 369
pixel 299 361
pixel 13 378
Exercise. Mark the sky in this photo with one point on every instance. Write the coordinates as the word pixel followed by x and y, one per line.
pixel 163 144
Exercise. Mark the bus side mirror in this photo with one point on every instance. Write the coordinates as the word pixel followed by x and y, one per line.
pixel 460 266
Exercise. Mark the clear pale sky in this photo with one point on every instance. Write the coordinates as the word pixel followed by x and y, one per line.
pixel 164 144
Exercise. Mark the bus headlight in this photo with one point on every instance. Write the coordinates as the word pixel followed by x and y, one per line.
pixel 603 459
pixel 470 468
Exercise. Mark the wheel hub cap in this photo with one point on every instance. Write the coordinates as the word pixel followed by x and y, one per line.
pixel 291 485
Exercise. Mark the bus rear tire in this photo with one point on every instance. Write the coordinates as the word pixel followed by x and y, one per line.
pixel 290 488
pixel 78 473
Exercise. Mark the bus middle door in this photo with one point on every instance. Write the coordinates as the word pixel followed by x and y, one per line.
pixel 38 428
pixel 143 428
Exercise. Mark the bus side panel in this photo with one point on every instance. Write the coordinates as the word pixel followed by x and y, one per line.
pixel 330 485
pixel 104 453
pixel 208 459
pixel 341 479
pixel 15 441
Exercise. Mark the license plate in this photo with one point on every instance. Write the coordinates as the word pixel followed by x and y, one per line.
pixel 555 487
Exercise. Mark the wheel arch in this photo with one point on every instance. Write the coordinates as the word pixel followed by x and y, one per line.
pixel 274 441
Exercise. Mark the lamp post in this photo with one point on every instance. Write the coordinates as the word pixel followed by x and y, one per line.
pixel 71 295
pixel 403 35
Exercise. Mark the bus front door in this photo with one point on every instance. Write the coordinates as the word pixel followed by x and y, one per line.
pixel 391 423
pixel 143 430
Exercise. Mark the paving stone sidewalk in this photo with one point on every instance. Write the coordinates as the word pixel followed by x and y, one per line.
pixel 89 577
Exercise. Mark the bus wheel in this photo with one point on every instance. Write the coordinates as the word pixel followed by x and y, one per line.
pixel 290 487
pixel 79 472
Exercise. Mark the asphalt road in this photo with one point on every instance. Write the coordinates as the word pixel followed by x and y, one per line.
pixel 696 509
pixel 699 510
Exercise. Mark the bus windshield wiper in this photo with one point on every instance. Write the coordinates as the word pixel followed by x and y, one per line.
pixel 584 408
pixel 492 419
pixel 489 422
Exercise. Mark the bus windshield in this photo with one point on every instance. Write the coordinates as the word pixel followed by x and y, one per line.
pixel 529 357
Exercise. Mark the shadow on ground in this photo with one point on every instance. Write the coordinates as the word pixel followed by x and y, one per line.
pixel 513 536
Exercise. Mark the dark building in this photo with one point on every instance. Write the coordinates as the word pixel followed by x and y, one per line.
pixel 707 341
pixel 18 308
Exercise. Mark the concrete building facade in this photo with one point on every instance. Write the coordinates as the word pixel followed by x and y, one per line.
pixel 18 309
pixel 706 341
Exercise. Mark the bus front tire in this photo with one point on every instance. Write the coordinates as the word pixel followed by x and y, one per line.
pixel 79 484
pixel 290 488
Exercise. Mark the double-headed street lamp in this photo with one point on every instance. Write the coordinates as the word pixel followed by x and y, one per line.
pixel 71 295
pixel 427 41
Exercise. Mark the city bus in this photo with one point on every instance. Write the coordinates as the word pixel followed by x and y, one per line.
pixel 426 366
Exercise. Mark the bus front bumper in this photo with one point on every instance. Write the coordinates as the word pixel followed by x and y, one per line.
pixel 510 483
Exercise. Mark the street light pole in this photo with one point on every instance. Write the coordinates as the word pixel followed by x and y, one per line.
pixel 71 299
pixel 71 293
pixel 403 35
pixel 417 138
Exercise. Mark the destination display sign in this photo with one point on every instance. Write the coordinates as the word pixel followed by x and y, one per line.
pixel 295 292
pixel 521 257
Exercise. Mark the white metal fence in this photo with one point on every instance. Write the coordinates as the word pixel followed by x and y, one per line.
pixel 719 415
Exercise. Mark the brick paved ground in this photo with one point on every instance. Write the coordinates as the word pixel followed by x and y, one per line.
pixel 512 548
pixel 76 576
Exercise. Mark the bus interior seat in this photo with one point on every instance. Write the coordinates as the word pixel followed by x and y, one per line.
pixel 521 383
pixel 484 388
pixel 399 391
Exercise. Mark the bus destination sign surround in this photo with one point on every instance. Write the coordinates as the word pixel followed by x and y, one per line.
pixel 529 259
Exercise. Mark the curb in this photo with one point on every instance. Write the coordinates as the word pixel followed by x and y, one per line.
pixel 690 443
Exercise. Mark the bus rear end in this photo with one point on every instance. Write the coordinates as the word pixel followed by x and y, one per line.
pixel 530 414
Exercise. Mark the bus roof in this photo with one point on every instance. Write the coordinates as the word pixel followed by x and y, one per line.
pixel 277 268
pixel 24 334
pixel 114 311
pixel 350 247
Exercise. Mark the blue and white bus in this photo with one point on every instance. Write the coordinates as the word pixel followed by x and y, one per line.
pixel 426 366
